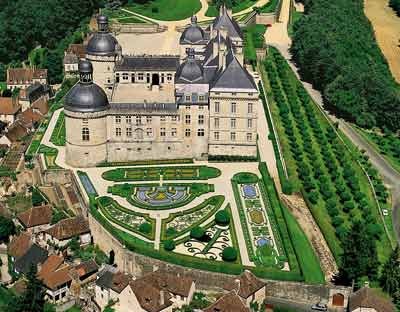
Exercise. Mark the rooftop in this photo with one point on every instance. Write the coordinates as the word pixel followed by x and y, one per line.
pixel 369 298
pixel 229 302
pixel 141 93
pixel 116 281
pixel 34 256
pixel 36 216
pixel 19 245
pixel 69 228
pixel 246 285
pixel 9 105
pixel 22 75
pixel 148 63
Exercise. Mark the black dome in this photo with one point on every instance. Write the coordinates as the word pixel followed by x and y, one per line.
pixel 86 98
pixel 102 44
pixel 194 33
pixel 190 70
pixel 85 66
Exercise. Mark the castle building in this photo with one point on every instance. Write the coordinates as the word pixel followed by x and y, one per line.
pixel 199 103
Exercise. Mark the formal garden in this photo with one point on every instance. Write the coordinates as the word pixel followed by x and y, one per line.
pixel 321 162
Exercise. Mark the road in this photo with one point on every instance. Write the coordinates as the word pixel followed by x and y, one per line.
pixel 277 36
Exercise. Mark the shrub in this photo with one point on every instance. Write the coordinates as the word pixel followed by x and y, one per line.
pixel 229 254
pixel 145 228
pixel 222 218
pixel 313 197
pixel 348 205
pixel 197 233
pixel 169 245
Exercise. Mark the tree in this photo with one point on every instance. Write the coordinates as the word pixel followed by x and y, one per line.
pixel 390 276
pixel 37 198
pixel 360 257
pixel 222 218
pixel 7 228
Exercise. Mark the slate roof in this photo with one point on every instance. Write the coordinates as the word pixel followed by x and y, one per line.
pixel 69 228
pixel 229 302
pixel 224 21
pixel 35 255
pixel 116 281
pixel 144 63
pixel 246 285
pixel 145 107
pixel 36 216
pixel 368 298
pixel 234 76
pixel 19 245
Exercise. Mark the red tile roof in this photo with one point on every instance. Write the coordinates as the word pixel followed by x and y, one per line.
pixel 51 264
pixel 69 228
pixel 24 75
pixel 9 105
pixel 36 216
pixel 229 302
pixel 369 298
pixel 42 105
pixel 246 285
pixel 19 245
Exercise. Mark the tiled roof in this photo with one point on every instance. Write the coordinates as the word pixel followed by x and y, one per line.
pixel 19 286
pixel 369 299
pixel 229 302
pixel 85 268
pixel 23 75
pixel 68 228
pixel 9 105
pixel 19 245
pixel 33 256
pixel 16 131
pixel 36 216
pixel 246 285
pixel 51 264
pixel 55 272
pixel 77 49
pixel 115 281
pixel 42 105
pixel 28 117
pixel 150 298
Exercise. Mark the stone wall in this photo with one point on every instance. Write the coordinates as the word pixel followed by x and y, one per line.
pixel 139 265
pixel 139 28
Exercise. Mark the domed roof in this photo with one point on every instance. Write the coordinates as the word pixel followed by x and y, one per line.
pixel 190 70
pixel 86 96
pixel 102 42
pixel 194 33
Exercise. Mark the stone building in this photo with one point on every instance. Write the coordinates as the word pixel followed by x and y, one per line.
pixel 23 78
pixel 193 105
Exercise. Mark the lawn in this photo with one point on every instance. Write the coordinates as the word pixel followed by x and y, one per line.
pixel 58 135
pixel 166 10
pixel 212 10
pixel 270 6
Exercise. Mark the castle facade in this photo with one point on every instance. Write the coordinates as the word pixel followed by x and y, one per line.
pixel 201 102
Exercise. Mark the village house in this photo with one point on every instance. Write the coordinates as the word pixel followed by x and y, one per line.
pixel 9 109
pixel 19 245
pixel 13 134
pixel 248 287
pixel 72 55
pixel 82 275
pixel 23 78
pixel 36 219
pixel 35 255
pixel 368 300
pixel 63 231
pixel 157 291
pixel 32 94
pixel 109 284
pixel 230 302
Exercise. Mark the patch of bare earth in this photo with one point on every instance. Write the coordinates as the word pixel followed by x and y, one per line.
pixel 303 215
pixel 387 31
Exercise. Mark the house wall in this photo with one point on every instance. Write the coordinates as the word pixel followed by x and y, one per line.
pixel 103 296
pixel 9 118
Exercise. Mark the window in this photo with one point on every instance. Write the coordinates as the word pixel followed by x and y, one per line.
pixel 117 77
pixel 250 108
pixel 149 132
pixel 173 132
pixel 202 98
pixel 117 119
pixel 187 98
pixel 200 132
pixel 249 136
pixel 233 136
pixel 138 120
pixel 216 123
pixel 85 121
pixel 148 119
pixel 129 132
pixel 216 107
pixel 233 93
pixel 201 119
pixel 233 108
pixel 233 123
pixel 201 107
pixel 162 132
pixel 118 132
pixel 187 119
pixel 249 123
pixel 162 118
pixel 174 118
pixel 128 119
pixel 140 76
pixel 187 106
pixel 216 136
pixel 169 77
pixel 187 133
pixel 85 134
pixel 125 76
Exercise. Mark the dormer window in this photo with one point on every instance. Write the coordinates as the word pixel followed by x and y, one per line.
pixel 187 98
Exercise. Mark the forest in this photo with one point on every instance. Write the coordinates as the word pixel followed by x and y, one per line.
pixel 395 5
pixel 50 26
pixel 335 49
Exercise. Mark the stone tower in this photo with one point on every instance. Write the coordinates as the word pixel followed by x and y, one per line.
pixel 86 107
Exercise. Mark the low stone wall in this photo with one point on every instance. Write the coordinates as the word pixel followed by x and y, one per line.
pixel 139 28
pixel 138 265
pixel 266 18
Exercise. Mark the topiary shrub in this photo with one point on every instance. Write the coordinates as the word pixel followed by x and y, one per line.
pixel 229 254
pixel 169 245
pixel 145 228
pixel 197 233
pixel 222 218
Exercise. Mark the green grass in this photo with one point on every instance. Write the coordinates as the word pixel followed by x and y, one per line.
pixel 270 7
pixel 167 10
pixel 58 135
pixel 131 20
pixel 212 10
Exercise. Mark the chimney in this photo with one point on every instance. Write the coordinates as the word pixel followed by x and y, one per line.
pixel 162 298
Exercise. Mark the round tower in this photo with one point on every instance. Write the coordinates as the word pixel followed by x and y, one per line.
pixel 85 108
pixel 103 50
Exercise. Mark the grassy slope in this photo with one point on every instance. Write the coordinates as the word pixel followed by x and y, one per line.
pixel 167 10
pixel 212 10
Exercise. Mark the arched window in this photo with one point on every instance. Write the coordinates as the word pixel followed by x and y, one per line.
pixel 85 134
